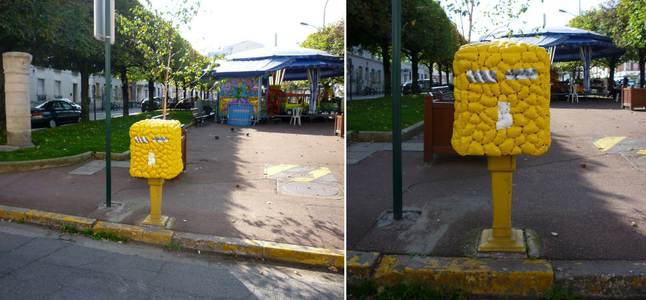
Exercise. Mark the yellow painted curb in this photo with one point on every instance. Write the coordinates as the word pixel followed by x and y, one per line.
pixel 148 235
pixel 360 264
pixel 56 219
pixel 304 254
pixel 13 213
pixel 223 245
pixel 158 236
pixel 499 277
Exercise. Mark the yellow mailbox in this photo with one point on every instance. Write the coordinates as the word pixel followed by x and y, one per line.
pixel 502 97
pixel 156 154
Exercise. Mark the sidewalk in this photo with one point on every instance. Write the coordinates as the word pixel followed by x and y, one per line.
pixel 237 184
pixel 583 202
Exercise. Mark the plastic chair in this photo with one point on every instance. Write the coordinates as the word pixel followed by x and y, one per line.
pixel 296 116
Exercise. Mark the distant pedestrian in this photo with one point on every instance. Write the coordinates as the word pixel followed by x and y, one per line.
pixel 624 82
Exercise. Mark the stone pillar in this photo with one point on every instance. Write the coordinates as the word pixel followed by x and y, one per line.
pixel 16 82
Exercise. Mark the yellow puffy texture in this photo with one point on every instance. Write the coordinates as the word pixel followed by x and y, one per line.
pixel 156 149
pixel 476 103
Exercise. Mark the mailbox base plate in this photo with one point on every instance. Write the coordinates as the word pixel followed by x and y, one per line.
pixel 162 222
pixel 490 244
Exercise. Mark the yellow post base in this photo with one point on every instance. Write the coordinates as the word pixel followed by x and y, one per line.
pixel 161 222
pixel 156 190
pixel 490 244
pixel 501 238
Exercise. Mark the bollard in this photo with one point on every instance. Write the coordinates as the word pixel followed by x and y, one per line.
pixel 156 154
pixel 502 96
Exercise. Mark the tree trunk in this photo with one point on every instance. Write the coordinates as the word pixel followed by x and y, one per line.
pixel 448 70
pixel 85 93
pixel 184 88
pixel 439 69
pixel 430 75
pixel 3 111
pixel 642 66
pixel 125 89
pixel 176 91
pixel 385 54
pixel 151 91
pixel 414 61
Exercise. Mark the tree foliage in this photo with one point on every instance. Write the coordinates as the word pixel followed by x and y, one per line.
pixel 329 39
pixel 58 34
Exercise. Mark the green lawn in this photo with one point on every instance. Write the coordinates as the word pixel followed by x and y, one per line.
pixel 376 114
pixel 83 137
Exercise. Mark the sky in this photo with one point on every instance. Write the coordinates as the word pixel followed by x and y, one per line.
pixel 534 15
pixel 221 23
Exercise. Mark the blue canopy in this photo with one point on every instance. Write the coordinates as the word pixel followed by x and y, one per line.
pixel 569 44
pixel 264 61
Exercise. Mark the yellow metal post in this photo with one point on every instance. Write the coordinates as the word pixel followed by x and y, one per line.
pixel 501 238
pixel 155 217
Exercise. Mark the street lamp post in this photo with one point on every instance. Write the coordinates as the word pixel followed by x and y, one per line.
pixel 324 9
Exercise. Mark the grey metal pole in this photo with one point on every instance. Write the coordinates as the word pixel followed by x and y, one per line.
pixel 395 95
pixel 108 107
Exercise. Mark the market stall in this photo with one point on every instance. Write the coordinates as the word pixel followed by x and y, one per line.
pixel 253 79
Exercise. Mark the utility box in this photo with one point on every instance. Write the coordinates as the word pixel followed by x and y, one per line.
pixel 502 99
pixel 156 149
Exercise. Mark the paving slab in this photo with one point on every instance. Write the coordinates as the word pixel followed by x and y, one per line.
pixel 223 192
pixel 582 203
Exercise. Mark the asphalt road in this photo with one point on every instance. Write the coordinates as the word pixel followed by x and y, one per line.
pixel 37 263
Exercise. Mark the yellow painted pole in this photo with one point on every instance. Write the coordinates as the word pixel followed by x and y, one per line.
pixel 156 190
pixel 502 237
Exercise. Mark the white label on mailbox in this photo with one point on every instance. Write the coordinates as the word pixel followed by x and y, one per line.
pixel 505 119
pixel 151 159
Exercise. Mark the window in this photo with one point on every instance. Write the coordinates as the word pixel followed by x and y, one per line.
pixel 57 89
pixel 40 89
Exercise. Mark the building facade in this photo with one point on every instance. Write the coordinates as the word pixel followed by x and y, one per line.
pixel 47 84
pixel 365 75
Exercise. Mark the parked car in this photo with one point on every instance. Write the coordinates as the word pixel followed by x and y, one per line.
pixel 53 113
pixel 186 103
pixel 151 106
pixel 70 102
pixel 424 85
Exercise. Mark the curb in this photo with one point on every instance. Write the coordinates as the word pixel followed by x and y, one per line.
pixel 30 165
pixel 503 277
pixel 38 164
pixel 304 255
pixel 115 156
pixel 385 136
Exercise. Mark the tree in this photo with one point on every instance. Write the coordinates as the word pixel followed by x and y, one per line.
pixel 157 33
pixel 76 49
pixel 369 27
pixel 125 54
pixel 500 15
pixel 28 26
pixel 426 34
pixel 604 20
pixel 633 15
pixel 329 39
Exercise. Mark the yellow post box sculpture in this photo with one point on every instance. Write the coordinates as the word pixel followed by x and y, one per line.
pixel 156 154
pixel 502 97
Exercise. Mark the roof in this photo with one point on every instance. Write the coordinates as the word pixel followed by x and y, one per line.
pixel 263 61
pixel 567 41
